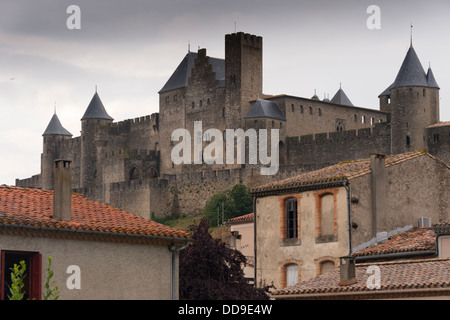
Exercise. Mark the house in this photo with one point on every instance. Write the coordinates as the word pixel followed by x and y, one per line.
pixel 409 265
pixel 305 224
pixel 98 251
pixel 243 239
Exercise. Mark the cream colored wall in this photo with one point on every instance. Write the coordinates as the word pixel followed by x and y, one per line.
pixel 246 245
pixel 108 270
pixel 271 254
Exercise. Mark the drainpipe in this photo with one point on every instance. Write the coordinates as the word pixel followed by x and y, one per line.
pixel 174 249
pixel 254 243
pixel 349 225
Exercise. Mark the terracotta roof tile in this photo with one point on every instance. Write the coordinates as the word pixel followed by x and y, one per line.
pixel 416 239
pixel 410 274
pixel 341 171
pixel 440 124
pixel 34 207
pixel 244 218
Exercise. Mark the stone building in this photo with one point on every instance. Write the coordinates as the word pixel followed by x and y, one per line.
pixel 129 164
pixel 304 224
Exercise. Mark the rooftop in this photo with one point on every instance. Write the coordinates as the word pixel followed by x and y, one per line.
pixel 55 128
pixel 179 78
pixel 336 173
pixel 34 208
pixel 265 109
pixel 244 218
pixel 96 110
pixel 399 277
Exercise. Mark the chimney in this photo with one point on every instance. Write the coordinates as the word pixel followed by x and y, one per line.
pixel 62 196
pixel 378 181
pixel 348 271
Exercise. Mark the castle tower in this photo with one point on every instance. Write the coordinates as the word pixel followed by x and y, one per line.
pixel 243 75
pixel 93 140
pixel 54 133
pixel 413 102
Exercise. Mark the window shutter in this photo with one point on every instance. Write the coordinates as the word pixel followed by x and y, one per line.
pixel 36 276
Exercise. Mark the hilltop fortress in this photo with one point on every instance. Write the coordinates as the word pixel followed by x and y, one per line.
pixel 128 164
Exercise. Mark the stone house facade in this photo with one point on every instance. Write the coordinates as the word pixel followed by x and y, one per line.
pixel 304 224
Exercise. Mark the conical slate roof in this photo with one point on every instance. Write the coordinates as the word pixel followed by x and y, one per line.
pixel 265 109
pixel 179 78
pixel 96 110
pixel 412 74
pixel 55 128
pixel 341 98
pixel 431 80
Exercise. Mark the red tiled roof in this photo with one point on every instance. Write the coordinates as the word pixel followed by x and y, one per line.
pixel 244 218
pixel 34 207
pixel 341 171
pixel 440 124
pixel 397 275
pixel 416 239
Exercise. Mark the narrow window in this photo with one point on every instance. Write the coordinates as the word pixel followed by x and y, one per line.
pixel 355 118
pixel 291 219
pixel 310 110
pixel 408 141
pixel 301 109
pixel 293 107
pixel 363 119
pixel 320 112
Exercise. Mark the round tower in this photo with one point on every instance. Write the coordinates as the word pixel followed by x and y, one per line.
pixel 94 126
pixel 52 136
pixel 413 102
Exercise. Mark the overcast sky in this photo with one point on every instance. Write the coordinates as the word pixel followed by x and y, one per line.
pixel 130 48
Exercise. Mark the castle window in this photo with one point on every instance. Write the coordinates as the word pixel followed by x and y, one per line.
pixel 301 109
pixel 436 137
pixel 223 112
pixel 356 118
pixel 209 101
pixel 363 119
pixel 410 93
pixel 134 174
pixel 167 99
pixel 273 124
pixel 281 125
pixel 310 110
pixel 193 104
pixel 293 108
pixel 320 112
pixel 372 121
pixel 201 103
pixel 424 93
pixel 408 141
pixel 175 98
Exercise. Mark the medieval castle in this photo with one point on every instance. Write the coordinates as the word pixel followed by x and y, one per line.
pixel 128 164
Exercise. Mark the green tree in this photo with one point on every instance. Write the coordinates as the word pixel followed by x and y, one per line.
pixel 48 291
pixel 228 204
pixel 17 277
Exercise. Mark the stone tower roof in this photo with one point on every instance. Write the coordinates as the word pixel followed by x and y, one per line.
pixel 265 109
pixel 412 74
pixel 341 98
pixel 179 78
pixel 55 128
pixel 96 110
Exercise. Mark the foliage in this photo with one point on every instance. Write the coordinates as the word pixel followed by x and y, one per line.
pixel 235 202
pixel 50 292
pixel 17 284
pixel 209 270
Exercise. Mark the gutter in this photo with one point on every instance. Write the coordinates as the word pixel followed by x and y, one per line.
pixel 349 228
pixel 406 254
pixel 174 249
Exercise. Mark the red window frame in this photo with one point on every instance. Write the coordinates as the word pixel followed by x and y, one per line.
pixel 34 273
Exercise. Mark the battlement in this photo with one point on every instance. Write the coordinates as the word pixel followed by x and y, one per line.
pixel 245 39
pixel 129 124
